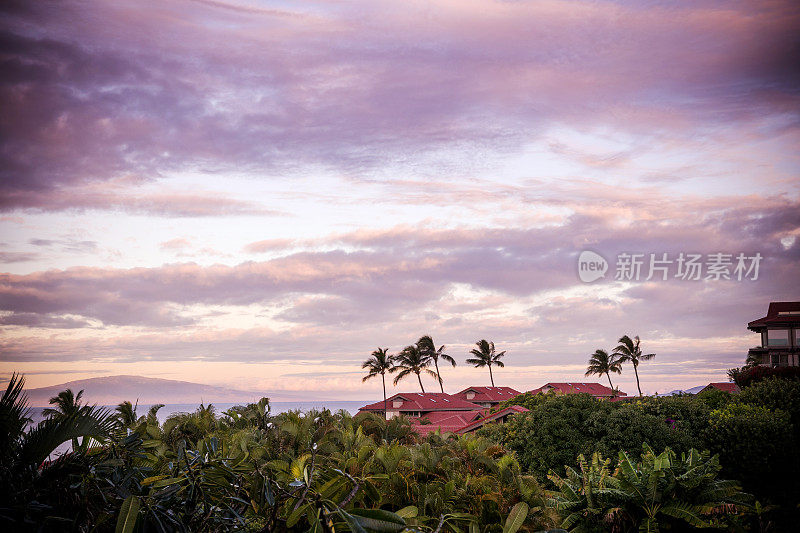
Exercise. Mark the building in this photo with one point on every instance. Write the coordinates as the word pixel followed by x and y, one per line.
pixel 487 396
pixel 724 387
pixel 779 335
pixel 498 416
pixel 420 404
pixel 595 389
pixel 445 421
pixel 436 411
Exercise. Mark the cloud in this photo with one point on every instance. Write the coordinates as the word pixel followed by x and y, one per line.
pixel 387 274
pixel 429 90
pixel 17 257
pixel 36 320
pixel 67 245
pixel 175 244
pixel 268 245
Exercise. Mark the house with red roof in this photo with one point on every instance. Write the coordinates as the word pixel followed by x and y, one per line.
pixel 445 421
pixel 724 387
pixel 780 335
pixel 595 389
pixel 500 416
pixel 487 396
pixel 419 404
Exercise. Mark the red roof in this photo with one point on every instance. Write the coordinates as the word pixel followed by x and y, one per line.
pixel 725 387
pixel 778 314
pixel 595 389
pixel 488 394
pixel 472 426
pixel 424 402
pixel 445 421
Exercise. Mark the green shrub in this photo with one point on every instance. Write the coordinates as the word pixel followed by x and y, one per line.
pixel 627 427
pixel 559 428
pixel 659 491
pixel 552 433
pixel 776 394
pixel 755 445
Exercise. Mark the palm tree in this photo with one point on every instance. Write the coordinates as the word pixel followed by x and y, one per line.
pixel 629 350
pixel 67 403
pixel 486 356
pixel 379 363
pixel 412 360
pixel 601 363
pixel 426 344
pixel 126 414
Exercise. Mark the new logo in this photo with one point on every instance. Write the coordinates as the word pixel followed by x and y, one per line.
pixel 591 266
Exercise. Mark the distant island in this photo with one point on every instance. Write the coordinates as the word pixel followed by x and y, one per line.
pixel 111 390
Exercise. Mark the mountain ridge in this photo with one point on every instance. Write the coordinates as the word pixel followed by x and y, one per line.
pixel 110 390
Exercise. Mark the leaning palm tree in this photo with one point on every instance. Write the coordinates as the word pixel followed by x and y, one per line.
pixel 485 355
pixel 601 363
pixel 426 344
pixel 629 350
pixel 411 360
pixel 126 414
pixel 379 363
pixel 67 403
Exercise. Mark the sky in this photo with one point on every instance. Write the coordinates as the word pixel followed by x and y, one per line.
pixel 259 194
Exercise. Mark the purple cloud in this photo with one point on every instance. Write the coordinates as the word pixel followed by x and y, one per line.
pixel 391 273
pixel 139 96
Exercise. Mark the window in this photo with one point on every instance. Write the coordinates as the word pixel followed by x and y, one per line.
pixel 784 359
pixel 778 337
pixel 775 359
pixel 764 338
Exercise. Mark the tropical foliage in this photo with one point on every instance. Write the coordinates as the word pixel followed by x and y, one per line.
pixel 754 433
pixel 247 469
pixel 661 491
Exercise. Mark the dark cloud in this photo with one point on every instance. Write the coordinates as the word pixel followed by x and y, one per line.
pixel 17 257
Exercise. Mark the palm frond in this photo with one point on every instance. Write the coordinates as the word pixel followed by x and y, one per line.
pixel 13 413
pixel 42 440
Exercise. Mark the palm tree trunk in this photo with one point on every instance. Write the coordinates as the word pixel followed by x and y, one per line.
pixel 420 383
pixel 610 384
pixel 635 371
pixel 491 377
pixel 385 412
pixel 438 375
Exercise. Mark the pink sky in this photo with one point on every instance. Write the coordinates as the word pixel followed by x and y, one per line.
pixel 259 194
